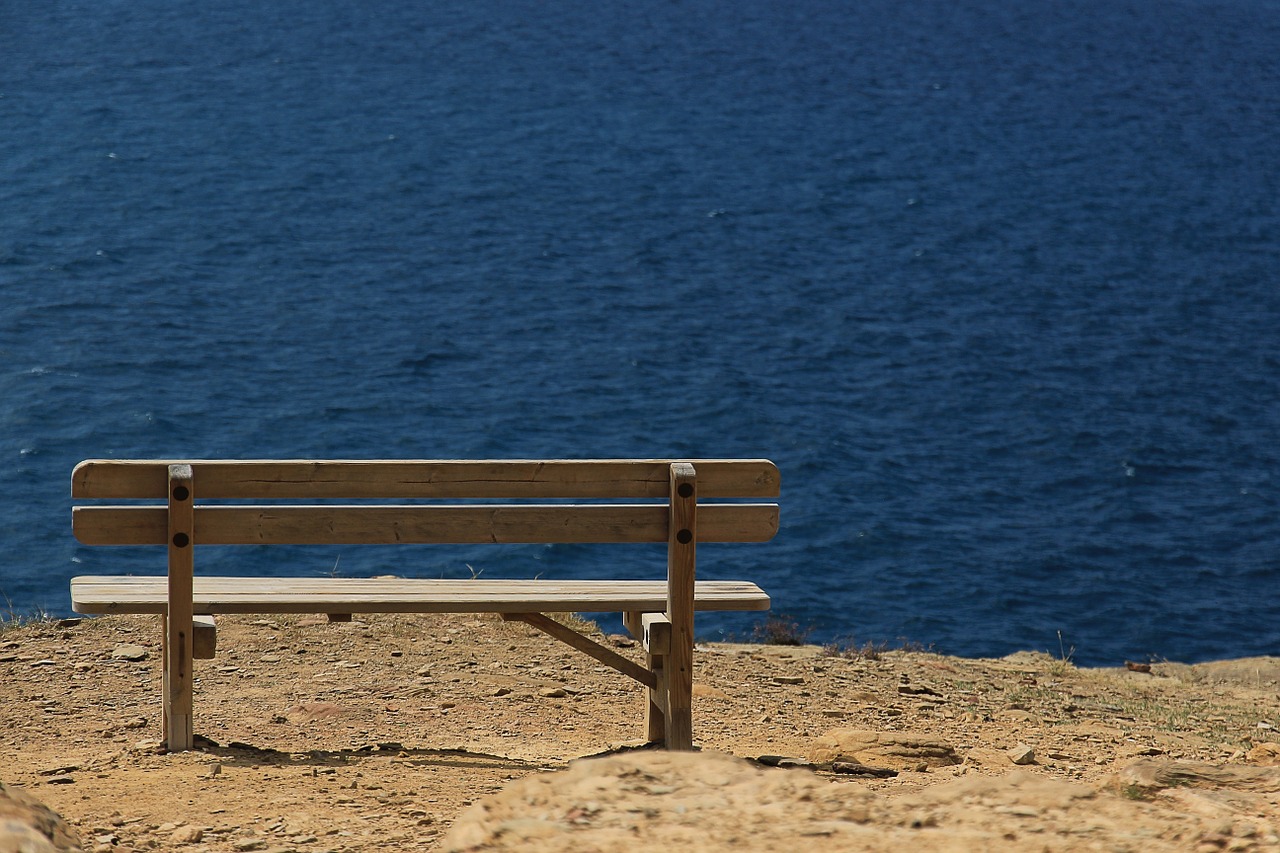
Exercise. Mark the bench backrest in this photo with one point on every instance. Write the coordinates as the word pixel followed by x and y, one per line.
pixel 614 500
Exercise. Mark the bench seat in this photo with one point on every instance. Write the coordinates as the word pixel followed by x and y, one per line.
pixel 213 595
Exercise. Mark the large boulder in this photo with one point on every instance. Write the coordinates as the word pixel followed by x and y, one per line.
pixel 691 802
pixel 29 826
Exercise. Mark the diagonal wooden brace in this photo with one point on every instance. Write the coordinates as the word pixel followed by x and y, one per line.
pixel 586 645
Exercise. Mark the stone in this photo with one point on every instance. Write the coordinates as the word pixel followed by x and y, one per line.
pixel 853 768
pixel 692 802
pixel 29 826
pixel 890 750
pixel 980 756
pixel 705 691
pixel 1266 754
pixel 18 837
pixel 553 693
pixel 187 835
pixel 130 652
pixel 1022 755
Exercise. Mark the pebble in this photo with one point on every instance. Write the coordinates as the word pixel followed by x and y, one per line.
pixel 553 693
pixel 130 652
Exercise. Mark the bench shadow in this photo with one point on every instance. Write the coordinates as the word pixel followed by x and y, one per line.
pixel 239 754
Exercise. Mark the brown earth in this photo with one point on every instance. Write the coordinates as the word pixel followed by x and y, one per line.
pixel 379 733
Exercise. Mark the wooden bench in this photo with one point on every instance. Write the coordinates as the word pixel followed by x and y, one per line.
pixel 512 501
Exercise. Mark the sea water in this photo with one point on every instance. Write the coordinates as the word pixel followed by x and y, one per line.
pixel 994 283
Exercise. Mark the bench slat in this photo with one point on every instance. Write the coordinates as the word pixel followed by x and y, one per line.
pixel 124 594
pixel 520 523
pixel 447 479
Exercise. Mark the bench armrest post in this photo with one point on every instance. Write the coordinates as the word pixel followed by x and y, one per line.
pixel 179 631
pixel 682 536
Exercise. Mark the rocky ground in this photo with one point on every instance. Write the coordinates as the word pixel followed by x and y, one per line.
pixel 400 732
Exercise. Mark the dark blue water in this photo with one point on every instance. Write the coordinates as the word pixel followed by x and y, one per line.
pixel 994 283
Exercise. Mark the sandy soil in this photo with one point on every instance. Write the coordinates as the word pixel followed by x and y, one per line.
pixel 378 733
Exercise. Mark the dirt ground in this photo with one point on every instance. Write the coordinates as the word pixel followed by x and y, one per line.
pixel 377 733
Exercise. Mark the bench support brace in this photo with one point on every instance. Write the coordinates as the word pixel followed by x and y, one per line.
pixel 586 645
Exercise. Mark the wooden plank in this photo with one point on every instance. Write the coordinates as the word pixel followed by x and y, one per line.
pixel 204 638
pixel 148 594
pixel 496 478
pixel 179 647
pixel 586 645
pixel 656 632
pixel 681 570
pixel 419 524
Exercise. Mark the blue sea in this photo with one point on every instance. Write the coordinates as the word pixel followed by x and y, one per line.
pixel 995 283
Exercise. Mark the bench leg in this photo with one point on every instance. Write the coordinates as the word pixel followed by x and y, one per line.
pixel 681 570
pixel 179 640
pixel 177 698
pixel 655 713
pixel 678 681
pixel 653 630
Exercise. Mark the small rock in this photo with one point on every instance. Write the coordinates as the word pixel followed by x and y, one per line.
pixel 782 761
pixel 788 679
pixel 59 770
pixel 706 691
pixel 1266 754
pixel 907 690
pixel 129 651
pixel 187 835
pixel 1022 755
pixel 502 691
pixel 249 844
pixel 853 768
pixel 553 693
